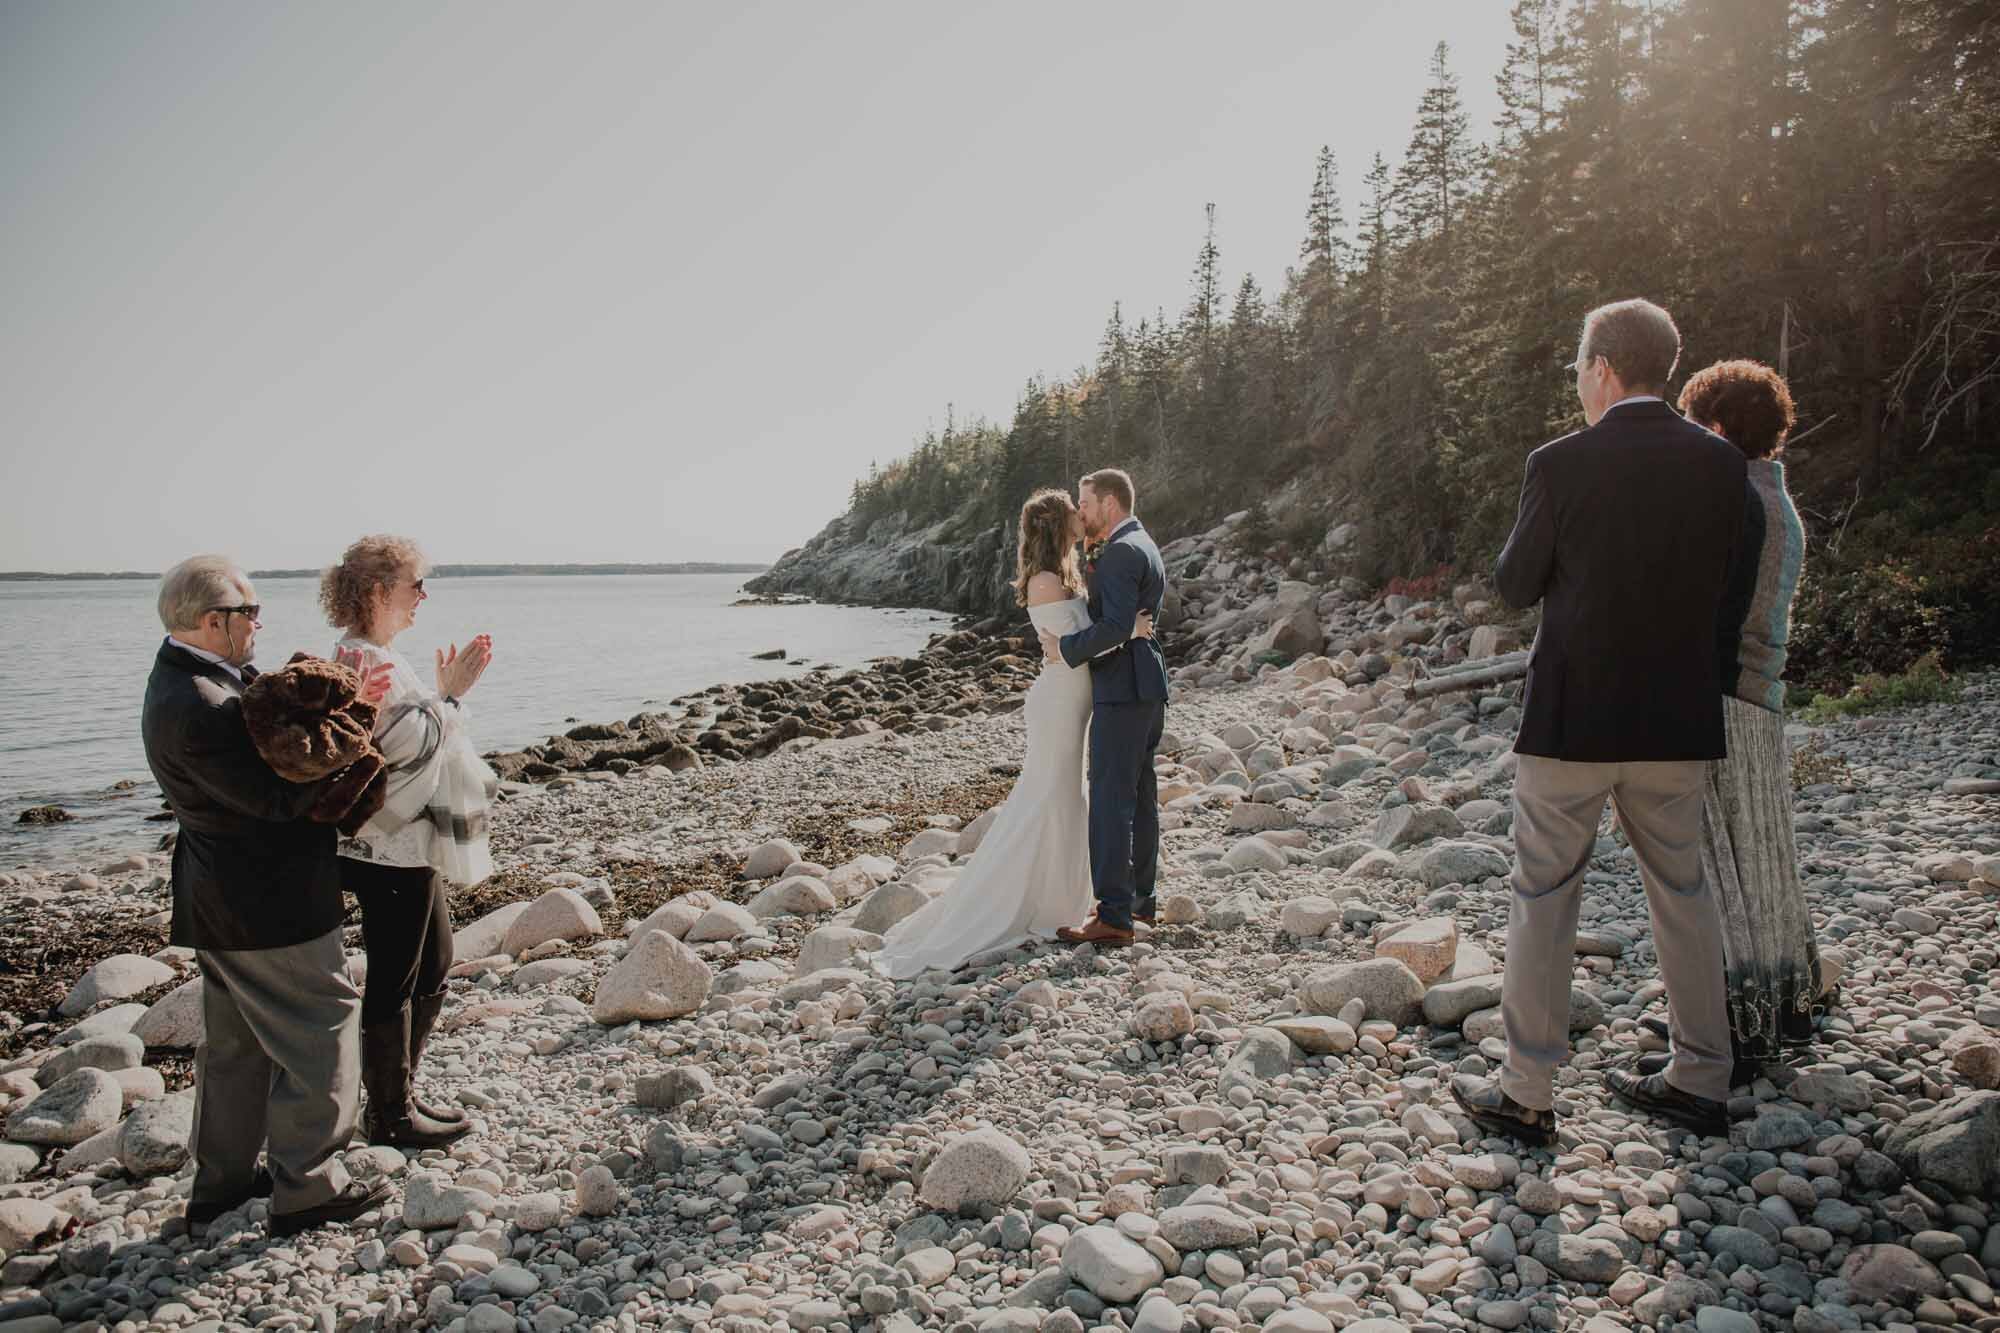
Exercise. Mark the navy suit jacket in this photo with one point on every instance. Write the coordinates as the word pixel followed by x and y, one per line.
pixel 1130 578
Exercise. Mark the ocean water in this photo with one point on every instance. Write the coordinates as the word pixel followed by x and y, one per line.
pixel 74 657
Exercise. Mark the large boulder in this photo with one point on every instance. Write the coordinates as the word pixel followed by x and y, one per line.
pixel 660 978
pixel 975 832
pixel 1459 863
pixel 1387 986
pixel 724 921
pixel 154 1139
pixel 1162 1016
pixel 834 946
pixel 1891 1273
pixel 1254 854
pixel 28 1224
pixel 1309 917
pixel 1293 628
pixel 1112 1266
pixel 984 1167
pixel 559 914
pixel 1206 1226
pixel 1955 1143
pixel 175 1021
pixel 795 895
pixel 1403 826
pixel 430 1202
pixel 676 917
pixel 888 905
pixel 110 1052
pixel 1262 1055
pixel 770 859
pixel 118 977
pixel 82 1103
pixel 1448 1003
pixel 930 842
pixel 1316 1034
pixel 1428 947
pixel 1974 1053
pixel 483 937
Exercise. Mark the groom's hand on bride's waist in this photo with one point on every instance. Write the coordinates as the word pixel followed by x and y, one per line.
pixel 1051 646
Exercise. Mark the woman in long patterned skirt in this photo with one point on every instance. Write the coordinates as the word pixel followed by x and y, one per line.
pixel 1748 852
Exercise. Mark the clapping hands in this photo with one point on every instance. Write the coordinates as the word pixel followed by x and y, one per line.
pixel 374 680
pixel 459 671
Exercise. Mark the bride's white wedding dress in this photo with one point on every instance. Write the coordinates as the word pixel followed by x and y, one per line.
pixel 1031 873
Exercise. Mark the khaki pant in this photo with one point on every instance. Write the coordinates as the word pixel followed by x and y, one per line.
pixel 1557 805
pixel 281 1062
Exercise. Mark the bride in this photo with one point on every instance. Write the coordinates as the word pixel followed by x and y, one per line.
pixel 1031 873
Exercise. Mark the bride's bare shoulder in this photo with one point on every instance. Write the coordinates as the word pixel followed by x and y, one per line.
pixel 1047 587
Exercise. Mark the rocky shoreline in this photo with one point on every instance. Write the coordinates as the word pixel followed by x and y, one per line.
pixel 697 1109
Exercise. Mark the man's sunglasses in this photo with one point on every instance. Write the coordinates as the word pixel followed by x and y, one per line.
pixel 250 609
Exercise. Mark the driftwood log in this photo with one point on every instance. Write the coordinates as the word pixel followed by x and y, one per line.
pixel 1472 675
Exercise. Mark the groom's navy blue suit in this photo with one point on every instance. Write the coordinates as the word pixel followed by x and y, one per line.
pixel 1128 686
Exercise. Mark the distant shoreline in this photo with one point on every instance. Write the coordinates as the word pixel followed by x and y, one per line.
pixel 441 571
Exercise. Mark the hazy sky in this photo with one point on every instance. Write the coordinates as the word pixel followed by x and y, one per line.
pixel 612 281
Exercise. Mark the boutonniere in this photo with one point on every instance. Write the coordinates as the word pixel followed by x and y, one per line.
pixel 1092 550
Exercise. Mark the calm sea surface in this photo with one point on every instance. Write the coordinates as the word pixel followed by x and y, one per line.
pixel 74 658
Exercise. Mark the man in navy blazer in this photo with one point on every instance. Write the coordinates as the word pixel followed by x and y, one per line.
pixel 1128 685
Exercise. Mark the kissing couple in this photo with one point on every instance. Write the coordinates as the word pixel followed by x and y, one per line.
pixel 1053 848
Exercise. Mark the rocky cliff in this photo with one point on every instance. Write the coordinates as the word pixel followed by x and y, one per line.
pixel 949 566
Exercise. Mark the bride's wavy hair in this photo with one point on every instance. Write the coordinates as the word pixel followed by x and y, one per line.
pixel 1045 543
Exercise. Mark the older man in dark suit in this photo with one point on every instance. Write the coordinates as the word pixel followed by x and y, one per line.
pixel 257 897
pixel 1625 535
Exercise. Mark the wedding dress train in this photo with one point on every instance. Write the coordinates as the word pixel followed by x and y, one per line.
pixel 1031 873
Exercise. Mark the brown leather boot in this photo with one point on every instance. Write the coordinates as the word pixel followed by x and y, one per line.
pixel 391 1121
pixel 1095 931
pixel 423 1017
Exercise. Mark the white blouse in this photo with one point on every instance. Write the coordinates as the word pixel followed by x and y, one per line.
pixel 408 845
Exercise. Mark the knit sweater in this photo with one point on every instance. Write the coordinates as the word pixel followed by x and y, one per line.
pixel 1757 610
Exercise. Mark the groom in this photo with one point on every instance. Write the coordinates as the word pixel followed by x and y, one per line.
pixel 1128 685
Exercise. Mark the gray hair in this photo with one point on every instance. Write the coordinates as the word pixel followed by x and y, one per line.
pixel 196 586
pixel 1638 339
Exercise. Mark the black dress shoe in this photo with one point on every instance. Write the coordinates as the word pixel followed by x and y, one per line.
pixel 1652 1092
pixel 345 1206
pixel 1490 1108
pixel 200 1214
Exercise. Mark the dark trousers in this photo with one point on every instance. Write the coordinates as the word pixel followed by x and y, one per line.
pixel 406 932
pixel 1124 809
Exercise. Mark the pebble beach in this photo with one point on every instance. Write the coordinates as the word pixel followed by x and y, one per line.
pixel 697 1108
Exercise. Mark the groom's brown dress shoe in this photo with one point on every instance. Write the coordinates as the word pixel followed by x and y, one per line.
pixel 1652 1092
pixel 1489 1107
pixel 1097 932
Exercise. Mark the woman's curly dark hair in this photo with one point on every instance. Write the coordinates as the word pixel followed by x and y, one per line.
pixel 347 591
pixel 1746 402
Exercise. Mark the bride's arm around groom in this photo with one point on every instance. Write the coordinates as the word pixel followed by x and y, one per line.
pixel 1121 576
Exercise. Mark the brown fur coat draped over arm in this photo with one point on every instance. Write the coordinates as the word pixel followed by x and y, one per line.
pixel 309 725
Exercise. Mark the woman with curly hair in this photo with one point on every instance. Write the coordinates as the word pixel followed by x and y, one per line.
pixel 1030 874
pixel 430 834
pixel 1770 957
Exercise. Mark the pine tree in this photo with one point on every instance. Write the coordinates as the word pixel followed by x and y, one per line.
pixel 1437 170
pixel 1324 243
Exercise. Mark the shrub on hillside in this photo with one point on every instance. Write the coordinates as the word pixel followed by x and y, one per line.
pixel 1923 682
pixel 1878 614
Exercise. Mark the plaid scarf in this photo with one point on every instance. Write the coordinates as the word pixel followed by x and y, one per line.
pixel 435 778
